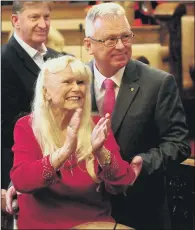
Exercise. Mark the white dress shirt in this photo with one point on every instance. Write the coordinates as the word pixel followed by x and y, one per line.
pixel 100 90
pixel 36 55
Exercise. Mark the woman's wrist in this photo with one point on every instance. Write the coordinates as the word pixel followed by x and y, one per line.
pixel 104 157
pixel 55 160
pixel 59 157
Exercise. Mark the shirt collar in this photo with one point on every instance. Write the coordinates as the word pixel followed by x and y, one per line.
pixel 31 51
pixel 117 77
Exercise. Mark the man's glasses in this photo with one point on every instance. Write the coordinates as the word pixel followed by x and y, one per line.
pixel 111 42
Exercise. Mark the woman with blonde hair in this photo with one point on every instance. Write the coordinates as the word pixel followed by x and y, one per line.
pixel 66 162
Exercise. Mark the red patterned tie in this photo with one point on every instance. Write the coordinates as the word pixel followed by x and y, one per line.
pixel 109 97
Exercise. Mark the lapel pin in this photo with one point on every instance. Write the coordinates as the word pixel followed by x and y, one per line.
pixel 132 89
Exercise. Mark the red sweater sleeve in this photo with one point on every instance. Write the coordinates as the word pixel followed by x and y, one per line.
pixel 30 170
pixel 119 174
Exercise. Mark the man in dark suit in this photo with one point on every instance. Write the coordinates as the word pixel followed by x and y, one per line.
pixel 21 59
pixel 148 120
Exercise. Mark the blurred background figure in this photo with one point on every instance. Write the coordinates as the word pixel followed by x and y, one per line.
pixel 55 40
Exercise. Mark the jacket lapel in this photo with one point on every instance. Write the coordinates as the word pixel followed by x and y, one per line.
pixel 93 100
pixel 27 60
pixel 51 54
pixel 24 66
pixel 128 90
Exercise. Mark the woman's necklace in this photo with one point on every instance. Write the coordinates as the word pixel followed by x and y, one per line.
pixel 72 164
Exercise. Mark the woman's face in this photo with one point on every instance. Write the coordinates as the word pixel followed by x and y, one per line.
pixel 64 90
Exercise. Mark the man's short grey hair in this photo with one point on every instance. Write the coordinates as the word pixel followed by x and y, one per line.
pixel 18 6
pixel 109 10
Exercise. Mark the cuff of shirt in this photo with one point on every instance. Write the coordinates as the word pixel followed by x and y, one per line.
pixel 49 174
pixel 108 172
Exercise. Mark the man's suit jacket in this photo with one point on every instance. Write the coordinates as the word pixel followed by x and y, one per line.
pixel 148 120
pixel 18 75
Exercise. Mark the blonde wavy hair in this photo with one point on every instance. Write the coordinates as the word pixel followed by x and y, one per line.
pixel 44 124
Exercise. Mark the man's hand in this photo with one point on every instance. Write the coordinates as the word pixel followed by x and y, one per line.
pixel 11 192
pixel 136 164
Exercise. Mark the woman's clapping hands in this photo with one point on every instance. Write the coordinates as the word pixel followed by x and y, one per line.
pixel 100 133
pixel 72 131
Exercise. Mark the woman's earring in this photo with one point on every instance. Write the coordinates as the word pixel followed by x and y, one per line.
pixel 47 103
pixel 47 100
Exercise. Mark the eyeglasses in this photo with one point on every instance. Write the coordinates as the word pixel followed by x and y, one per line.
pixel 111 42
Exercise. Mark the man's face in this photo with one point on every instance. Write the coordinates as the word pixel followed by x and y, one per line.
pixel 32 24
pixel 110 59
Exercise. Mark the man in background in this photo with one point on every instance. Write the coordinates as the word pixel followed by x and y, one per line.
pixel 21 60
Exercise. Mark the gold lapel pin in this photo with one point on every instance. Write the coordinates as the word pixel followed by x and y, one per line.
pixel 132 89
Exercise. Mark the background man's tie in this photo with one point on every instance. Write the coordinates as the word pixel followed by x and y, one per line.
pixel 109 97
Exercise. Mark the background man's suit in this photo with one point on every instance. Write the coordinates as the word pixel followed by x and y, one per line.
pixel 148 114
pixel 18 75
